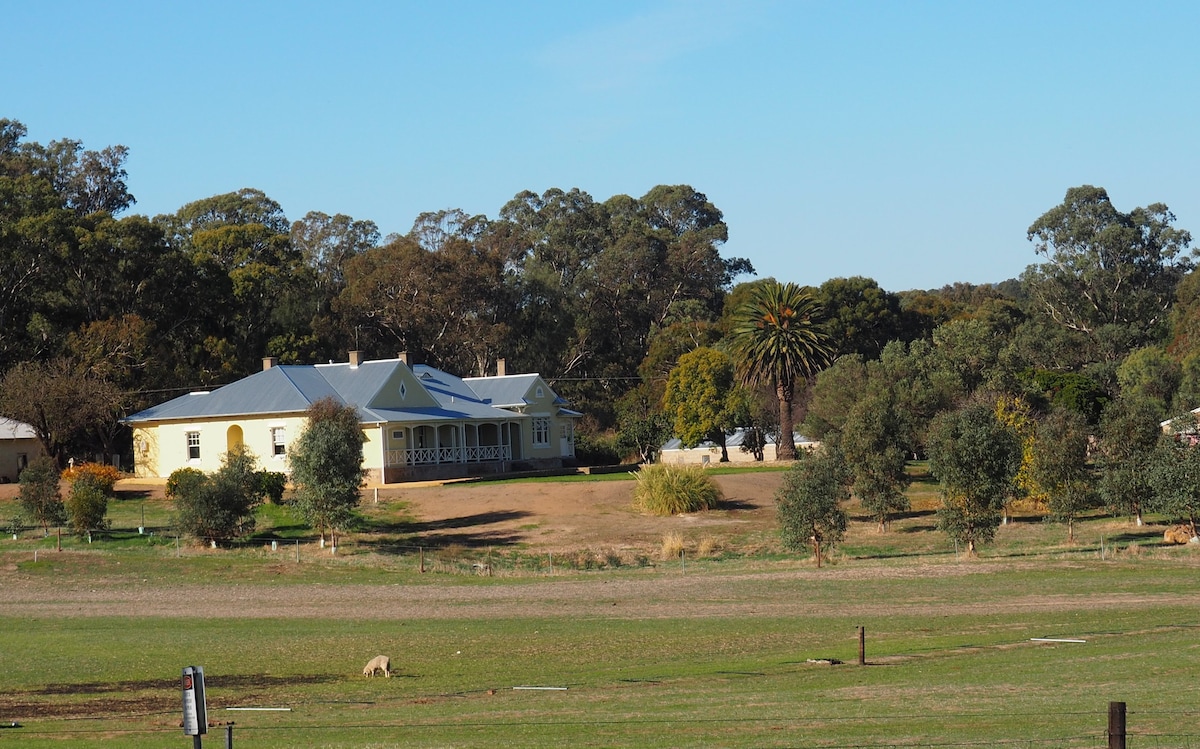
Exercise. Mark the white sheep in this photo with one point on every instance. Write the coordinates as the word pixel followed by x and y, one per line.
pixel 378 663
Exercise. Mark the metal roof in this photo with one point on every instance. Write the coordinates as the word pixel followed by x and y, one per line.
pixel 507 391
pixel 292 389
pixel 15 430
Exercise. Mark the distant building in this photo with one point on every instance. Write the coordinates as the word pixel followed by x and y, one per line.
pixel 18 445
pixel 710 452
pixel 419 422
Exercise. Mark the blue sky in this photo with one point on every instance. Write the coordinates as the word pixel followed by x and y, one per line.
pixel 910 142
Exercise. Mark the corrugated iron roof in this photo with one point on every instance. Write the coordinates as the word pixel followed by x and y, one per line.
pixel 291 389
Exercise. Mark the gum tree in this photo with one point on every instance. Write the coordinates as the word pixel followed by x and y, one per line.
pixel 327 470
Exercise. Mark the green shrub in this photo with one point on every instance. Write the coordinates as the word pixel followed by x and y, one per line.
pixel 221 506
pixel 672 489
pixel 597 449
pixel 271 486
pixel 183 481
pixel 87 503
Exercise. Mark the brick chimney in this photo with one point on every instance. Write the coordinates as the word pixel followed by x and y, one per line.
pixel 501 368
pixel 268 362
pixel 356 358
pixel 403 357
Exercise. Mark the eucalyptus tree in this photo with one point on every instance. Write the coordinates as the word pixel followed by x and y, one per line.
pixel 778 339
pixel 1108 274
pixel 327 469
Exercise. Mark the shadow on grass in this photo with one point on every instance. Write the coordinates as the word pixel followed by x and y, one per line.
pixel 737 504
pixel 468 530
pixel 231 681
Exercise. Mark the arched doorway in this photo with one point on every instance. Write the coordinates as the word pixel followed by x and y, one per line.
pixel 233 438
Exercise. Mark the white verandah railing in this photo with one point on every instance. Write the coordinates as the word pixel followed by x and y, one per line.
pixel 439 455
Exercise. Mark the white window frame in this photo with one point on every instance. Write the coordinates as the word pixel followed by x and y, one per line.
pixel 540 429
pixel 279 441
pixel 192 441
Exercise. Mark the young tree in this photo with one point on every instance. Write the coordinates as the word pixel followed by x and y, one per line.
pixel 642 425
pixel 1060 466
pixel 327 470
pixel 809 501
pixel 86 503
pixel 976 459
pixel 779 340
pixel 875 457
pixel 40 496
pixel 221 506
pixel 1175 477
pixel 1129 432
pixel 703 398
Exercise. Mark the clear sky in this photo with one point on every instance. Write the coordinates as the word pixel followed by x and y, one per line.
pixel 911 142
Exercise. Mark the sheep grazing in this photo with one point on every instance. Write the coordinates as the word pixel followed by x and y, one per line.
pixel 1178 534
pixel 378 663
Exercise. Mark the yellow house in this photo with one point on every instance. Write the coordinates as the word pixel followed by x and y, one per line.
pixel 419 422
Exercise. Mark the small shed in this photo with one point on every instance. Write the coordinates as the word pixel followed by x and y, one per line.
pixel 18 445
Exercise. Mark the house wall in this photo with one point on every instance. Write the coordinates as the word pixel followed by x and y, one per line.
pixel 160 449
pixel 542 407
pixel 697 455
pixel 11 451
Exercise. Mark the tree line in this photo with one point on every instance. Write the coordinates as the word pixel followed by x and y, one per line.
pixel 626 305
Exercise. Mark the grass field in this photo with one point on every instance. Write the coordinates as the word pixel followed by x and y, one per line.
pixel 717 652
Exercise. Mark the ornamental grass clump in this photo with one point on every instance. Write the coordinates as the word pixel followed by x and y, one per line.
pixel 672 490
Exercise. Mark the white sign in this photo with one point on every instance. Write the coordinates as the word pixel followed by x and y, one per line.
pixel 195 710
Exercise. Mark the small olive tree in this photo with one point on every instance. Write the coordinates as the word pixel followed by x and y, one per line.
pixel 1175 478
pixel 976 458
pixel 327 468
pixel 1060 466
pixel 40 497
pixel 872 440
pixel 809 501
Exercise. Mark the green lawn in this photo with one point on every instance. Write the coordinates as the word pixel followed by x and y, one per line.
pixel 950 655
pixel 965 669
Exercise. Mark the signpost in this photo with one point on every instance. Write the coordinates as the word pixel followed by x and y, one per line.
pixel 195 709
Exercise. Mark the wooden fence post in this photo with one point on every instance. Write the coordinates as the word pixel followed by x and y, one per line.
pixel 1116 725
pixel 862 646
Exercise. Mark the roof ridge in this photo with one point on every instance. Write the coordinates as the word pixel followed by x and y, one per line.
pixel 290 381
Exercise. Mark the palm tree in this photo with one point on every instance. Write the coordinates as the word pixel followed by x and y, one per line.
pixel 779 341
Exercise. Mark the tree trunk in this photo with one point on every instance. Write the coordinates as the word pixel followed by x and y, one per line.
pixel 785 449
pixel 817 548
pixel 1071 530
pixel 971 548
